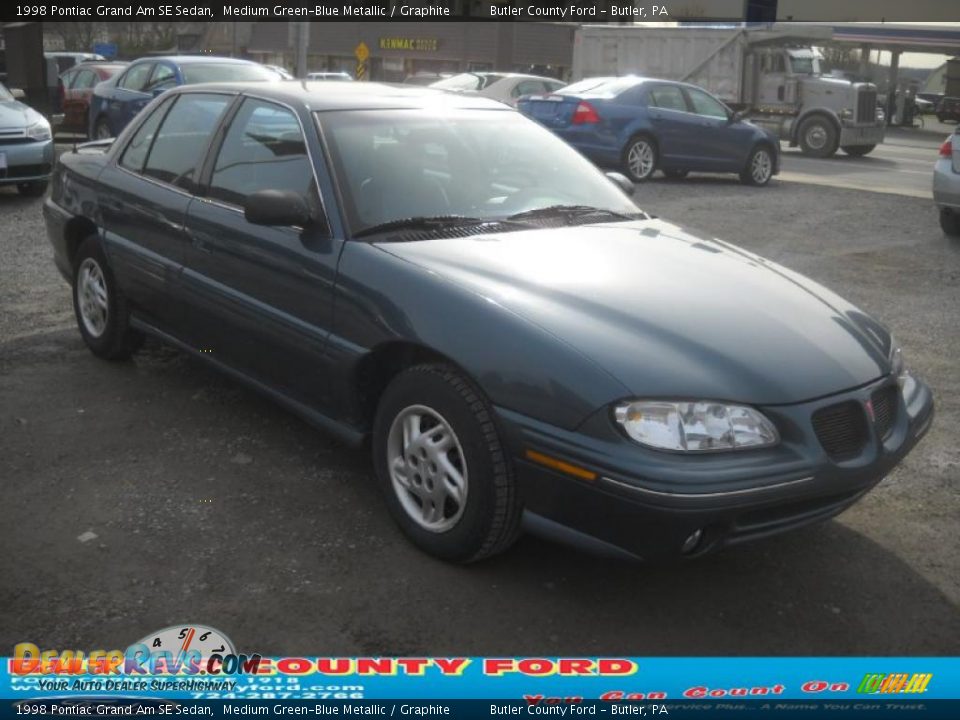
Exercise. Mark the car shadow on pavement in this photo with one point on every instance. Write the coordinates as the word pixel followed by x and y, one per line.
pixel 208 503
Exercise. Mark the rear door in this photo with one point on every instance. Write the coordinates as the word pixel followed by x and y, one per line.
pixel 261 297
pixel 150 189
pixel 676 129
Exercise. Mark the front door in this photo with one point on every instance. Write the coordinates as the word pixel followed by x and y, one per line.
pixel 261 297
pixel 674 127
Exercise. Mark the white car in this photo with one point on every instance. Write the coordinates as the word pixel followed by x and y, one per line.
pixel 337 76
pixel 505 87
pixel 946 185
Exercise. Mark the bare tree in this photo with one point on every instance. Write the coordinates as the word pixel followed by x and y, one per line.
pixel 77 36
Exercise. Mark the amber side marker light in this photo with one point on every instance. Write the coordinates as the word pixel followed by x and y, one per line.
pixel 560 465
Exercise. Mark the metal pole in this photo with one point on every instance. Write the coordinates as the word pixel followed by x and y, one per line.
pixel 303 43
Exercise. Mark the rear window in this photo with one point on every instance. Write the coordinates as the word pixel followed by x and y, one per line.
pixel 600 86
pixel 224 72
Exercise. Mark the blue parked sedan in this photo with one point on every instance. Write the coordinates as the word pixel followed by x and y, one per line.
pixel 641 125
pixel 117 101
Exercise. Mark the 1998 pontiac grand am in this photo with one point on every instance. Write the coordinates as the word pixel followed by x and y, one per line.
pixel 521 345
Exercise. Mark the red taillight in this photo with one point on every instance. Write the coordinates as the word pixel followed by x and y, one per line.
pixel 946 150
pixel 585 114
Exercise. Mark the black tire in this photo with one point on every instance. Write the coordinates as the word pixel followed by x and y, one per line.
pixel 950 222
pixel 117 340
pixel 675 174
pixel 818 137
pixel 32 189
pixel 489 521
pixel 637 143
pixel 858 150
pixel 759 167
pixel 101 129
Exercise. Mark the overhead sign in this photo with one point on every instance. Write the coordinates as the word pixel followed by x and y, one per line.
pixel 414 44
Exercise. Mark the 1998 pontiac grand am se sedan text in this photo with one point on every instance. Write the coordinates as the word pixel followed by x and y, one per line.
pixel 521 345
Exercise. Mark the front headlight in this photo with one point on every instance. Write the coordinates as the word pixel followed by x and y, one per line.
pixel 40 130
pixel 695 426
pixel 846 113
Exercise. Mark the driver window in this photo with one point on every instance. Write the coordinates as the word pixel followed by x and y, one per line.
pixel 182 140
pixel 136 77
pixel 706 105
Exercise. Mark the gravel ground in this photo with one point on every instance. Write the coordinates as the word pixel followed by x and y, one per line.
pixel 211 505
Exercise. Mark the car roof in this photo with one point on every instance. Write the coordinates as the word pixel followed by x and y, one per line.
pixel 326 95
pixel 180 59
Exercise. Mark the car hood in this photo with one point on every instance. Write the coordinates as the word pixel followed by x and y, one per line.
pixel 667 313
pixel 16 115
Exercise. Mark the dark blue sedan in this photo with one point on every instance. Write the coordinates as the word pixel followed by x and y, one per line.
pixel 117 101
pixel 642 125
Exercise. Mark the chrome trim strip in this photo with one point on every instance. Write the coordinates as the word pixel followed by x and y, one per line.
pixel 728 493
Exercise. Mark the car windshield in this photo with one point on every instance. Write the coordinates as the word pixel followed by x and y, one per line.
pixel 4 93
pixel 600 86
pixel 444 163
pixel 467 81
pixel 194 73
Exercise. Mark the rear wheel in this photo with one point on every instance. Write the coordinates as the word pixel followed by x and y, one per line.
pixel 759 167
pixel 101 309
pixel 32 189
pixel 858 150
pixel 442 467
pixel 640 158
pixel 950 222
pixel 818 137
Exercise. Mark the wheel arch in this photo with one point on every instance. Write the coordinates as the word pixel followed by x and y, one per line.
pixel 76 230
pixel 813 112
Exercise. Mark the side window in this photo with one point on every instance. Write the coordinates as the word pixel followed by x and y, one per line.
pixel 704 104
pixel 264 149
pixel 85 79
pixel 182 139
pixel 163 77
pixel 667 97
pixel 68 79
pixel 136 77
pixel 136 151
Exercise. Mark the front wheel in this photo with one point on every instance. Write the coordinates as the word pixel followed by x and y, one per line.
pixel 640 158
pixel 950 222
pixel 100 307
pixel 759 167
pixel 442 467
pixel 32 189
pixel 858 150
pixel 818 137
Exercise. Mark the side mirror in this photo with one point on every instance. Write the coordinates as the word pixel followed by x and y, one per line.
pixel 737 116
pixel 277 207
pixel 622 182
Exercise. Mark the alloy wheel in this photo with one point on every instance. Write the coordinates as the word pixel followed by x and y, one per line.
pixel 92 297
pixel 761 167
pixel 427 468
pixel 640 160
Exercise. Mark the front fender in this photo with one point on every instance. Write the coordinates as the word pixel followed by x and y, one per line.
pixel 381 298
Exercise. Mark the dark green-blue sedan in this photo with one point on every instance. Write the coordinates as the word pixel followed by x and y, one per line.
pixel 520 345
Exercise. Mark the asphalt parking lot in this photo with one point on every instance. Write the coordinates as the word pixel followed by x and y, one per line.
pixel 209 504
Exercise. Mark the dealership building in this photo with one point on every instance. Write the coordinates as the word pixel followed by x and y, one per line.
pixel 399 50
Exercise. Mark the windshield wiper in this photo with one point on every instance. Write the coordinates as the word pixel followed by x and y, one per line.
pixel 423 222
pixel 572 212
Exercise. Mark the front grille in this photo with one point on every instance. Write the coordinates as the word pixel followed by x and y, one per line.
pixel 885 406
pixel 841 429
pixel 16 171
pixel 867 105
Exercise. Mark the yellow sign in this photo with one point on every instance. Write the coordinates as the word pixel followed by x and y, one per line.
pixel 361 71
pixel 362 52
pixel 403 43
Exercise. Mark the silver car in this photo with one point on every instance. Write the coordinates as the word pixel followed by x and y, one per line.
pixel 946 185
pixel 505 87
pixel 26 146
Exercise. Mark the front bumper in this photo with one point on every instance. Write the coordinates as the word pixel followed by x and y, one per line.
pixel 26 162
pixel 646 504
pixel 864 135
